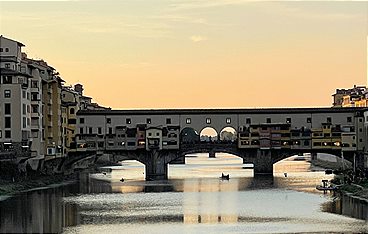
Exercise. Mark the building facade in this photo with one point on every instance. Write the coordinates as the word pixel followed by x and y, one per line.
pixel 354 97
pixel 37 112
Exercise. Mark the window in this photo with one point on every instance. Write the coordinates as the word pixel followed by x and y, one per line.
pixel 128 121
pixel 208 120
pixel 7 65
pixel 268 120
pixel 7 122
pixel 34 97
pixel 7 93
pixel 7 79
pixel 7 109
pixel 248 121
pixel 80 130
pixel 34 108
pixel 72 111
pixel 288 120
pixel 90 130
pixel 228 120
pixel 131 143
pixel 110 130
pixel 7 134
pixel 1 49
pixel 306 143
pixel 81 120
pixel 108 120
pixel 349 119
pixel 6 49
pixel 309 120
pixel 329 120
pixel 188 120
pixel 168 121
pixel 34 84
pixel 72 121
pixel 24 122
pixel 24 94
pixel 34 134
pixel 360 130
pixel 157 134
pixel 360 120
pixel 148 121
pixel 99 130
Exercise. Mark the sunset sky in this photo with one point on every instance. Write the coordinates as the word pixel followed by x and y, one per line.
pixel 198 53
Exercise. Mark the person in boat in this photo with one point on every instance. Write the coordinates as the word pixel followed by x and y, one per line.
pixel 122 180
pixel 225 176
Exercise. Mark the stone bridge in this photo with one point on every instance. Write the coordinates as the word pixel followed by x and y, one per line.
pixel 259 136
pixel 156 161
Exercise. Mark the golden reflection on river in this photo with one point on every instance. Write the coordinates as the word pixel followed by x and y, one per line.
pixel 193 200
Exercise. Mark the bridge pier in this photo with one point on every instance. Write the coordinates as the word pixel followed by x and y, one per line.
pixel 263 163
pixel 313 156
pixel 156 166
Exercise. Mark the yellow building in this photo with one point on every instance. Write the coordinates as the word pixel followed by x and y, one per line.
pixel 51 88
pixel 70 102
pixel 354 97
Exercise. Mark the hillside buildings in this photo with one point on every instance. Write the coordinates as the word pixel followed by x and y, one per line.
pixel 37 112
pixel 354 97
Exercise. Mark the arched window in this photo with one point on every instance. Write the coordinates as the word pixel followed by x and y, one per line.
pixel 71 111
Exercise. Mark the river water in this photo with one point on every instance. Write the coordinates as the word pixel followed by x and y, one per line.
pixel 193 200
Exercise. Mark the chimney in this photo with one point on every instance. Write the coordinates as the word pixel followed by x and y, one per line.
pixel 79 88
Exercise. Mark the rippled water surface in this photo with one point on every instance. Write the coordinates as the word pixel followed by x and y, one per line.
pixel 194 199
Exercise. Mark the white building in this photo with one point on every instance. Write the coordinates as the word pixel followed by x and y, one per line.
pixel 15 109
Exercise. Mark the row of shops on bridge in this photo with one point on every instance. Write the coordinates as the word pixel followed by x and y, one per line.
pixel 258 136
pixel 282 136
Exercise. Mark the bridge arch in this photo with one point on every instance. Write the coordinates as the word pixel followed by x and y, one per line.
pixel 208 134
pixel 228 134
pixel 189 135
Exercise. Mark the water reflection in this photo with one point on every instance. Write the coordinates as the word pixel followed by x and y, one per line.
pixel 39 212
pixel 211 200
pixel 101 203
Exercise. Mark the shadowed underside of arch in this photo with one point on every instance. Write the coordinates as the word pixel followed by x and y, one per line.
pixel 156 161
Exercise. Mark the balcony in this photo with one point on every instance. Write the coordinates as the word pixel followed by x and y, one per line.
pixel 35 115
pixel 35 90
pixel 35 123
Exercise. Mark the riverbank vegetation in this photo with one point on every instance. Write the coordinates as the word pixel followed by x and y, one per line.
pixel 352 182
